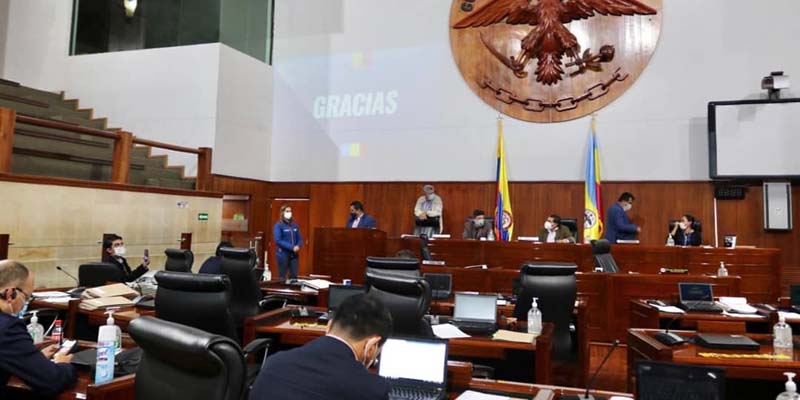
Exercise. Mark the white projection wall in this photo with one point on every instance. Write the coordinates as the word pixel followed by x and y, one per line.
pixel 367 90
pixel 757 139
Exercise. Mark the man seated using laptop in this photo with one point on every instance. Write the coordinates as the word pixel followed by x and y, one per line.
pixel 335 365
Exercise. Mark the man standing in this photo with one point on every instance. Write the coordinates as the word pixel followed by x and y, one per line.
pixel 428 212
pixel 476 227
pixel 115 251
pixel 359 218
pixel 18 355
pixel 618 226
pixel 334 366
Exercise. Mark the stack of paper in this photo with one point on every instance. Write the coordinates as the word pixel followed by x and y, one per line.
pixel 117 289
pixel 511 336
pixel 49 294
pixel 316 284
pixel 105 302
pixel 473 395
pixel 448 331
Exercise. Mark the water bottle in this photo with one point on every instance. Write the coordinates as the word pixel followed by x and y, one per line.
pixel 267 275
pixel 782 334
pixel 722 271
pixel 791 388
pixel 670 241
pixel 35 329
pixel 535 318
pixel 58 333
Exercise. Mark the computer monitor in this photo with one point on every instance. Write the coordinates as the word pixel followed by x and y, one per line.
pixel 414 360
pixel 659 380
pixel 337 294
pixel 695 291
pixel 794 294
pixel 475 307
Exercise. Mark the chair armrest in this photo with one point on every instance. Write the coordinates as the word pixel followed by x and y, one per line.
pixel 256 345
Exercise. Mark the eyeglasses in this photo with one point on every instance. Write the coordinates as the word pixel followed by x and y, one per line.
pixel 27 295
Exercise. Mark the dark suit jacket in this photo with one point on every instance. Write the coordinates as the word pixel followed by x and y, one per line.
pixel 367 221
pixel 212 266
pixel 130 275
pixel 473 232
pixel 618 225
pixel 322 369
pixel 693 239
pixel 19 357
pixel 561 233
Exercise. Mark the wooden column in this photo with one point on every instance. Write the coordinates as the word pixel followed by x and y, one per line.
pixel 186 241
pixel 122 157
pixel 7 122
pixel 4 242
pixel 204 169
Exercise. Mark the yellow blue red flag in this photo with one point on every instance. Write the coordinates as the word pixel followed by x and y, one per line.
pixel 503 218
pixel 593 208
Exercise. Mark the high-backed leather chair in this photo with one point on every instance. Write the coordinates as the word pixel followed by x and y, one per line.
pixel 197 300
pixel 696 225
pixel 239 265
pixel 179 260
pixel 601 252
pixel 407 299
pixel 408 267
pixel 180 362
pixel 99 274
pixel 572 224
pixel 424 250
pixel 555 287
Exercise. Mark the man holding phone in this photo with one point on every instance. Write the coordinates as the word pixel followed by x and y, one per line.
pixel 114 249
pixel 18 355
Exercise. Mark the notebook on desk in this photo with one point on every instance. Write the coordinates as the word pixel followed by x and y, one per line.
pixel 415 368
pixel 475 313
pixel 668 381
pixel 697 297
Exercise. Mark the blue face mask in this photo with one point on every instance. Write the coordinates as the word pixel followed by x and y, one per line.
pixel 23 310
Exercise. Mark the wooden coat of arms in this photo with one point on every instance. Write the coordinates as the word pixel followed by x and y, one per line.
pixel 552 60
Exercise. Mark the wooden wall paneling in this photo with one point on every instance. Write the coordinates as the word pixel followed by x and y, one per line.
pixel 4 243
pixel 532 203
pixel 330 205
pixel 8 122
pixel 259 192
pixel 186 241
pixel 392 204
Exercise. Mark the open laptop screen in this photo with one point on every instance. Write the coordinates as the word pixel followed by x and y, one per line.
pixel 414 360
pixel 658 380
pixel 477 307
pixel 696 292
pixel 339 293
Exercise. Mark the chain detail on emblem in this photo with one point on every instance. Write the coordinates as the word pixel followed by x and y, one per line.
pixel 594 92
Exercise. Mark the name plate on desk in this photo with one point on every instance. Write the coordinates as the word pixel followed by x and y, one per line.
pixel 623 241
pixel 528 238
pixel 440 236
pixel 432 262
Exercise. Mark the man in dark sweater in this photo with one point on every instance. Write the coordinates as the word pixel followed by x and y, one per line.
pixel 335 365
pixel 18 355
pixel 115 252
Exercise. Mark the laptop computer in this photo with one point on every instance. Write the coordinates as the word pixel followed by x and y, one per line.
pixel 669 381
pixel 415 368
pixel 475 313
pixel 441 285
pixel 729 342
pixel 337 294
pixel 697 297
pixel 794 296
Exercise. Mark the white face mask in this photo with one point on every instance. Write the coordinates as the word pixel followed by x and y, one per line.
pixel 287 215
pixel 627 206
pixel 119 251
pixel 430 197
pixel 548 225
pixel 682 225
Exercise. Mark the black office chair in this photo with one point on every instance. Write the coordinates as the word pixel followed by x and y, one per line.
pixel 180 362
pixel 407 299
pixel 423 247
pixel 179 260
pixel 601 252
pixel 407 267
pixel 555 286
pixel 239 265
pixel 200 301
pixel 572 224
pixel 99 274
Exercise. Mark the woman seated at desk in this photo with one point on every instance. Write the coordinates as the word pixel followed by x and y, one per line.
pixel 687 232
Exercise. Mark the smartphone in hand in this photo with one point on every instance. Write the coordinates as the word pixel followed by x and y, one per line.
pixel 67 346
pixel 146 258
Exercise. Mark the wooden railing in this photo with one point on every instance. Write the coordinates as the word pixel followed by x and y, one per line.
pixel 123 145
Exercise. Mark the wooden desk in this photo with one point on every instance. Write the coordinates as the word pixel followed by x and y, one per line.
pixel 643 315
pixel 280 324
pixel 313 298
pixel 643 346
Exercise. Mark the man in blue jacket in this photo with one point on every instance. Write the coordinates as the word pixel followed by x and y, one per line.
pixel 287 243
pixel 334 366
pixel 18 355
pixel 618 226
pixel 359 218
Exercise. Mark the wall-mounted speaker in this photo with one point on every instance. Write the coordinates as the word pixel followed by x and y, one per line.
pixel 777 206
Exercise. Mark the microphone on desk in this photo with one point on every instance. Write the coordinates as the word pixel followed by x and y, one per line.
pixel 587 396
pixel 68 274
pixel 76 292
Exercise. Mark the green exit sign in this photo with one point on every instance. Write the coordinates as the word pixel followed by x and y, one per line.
pixel 202 217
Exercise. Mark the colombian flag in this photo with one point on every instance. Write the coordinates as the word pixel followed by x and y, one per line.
pixel 593 209
pixel 504 218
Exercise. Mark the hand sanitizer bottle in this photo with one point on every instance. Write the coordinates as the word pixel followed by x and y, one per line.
pixel 35 329
pixel 117 331
pixel 670 241
pixel 791 388
pixel 267 275
pixel 782 334
pixel 722 271
pixel 106 351
pixel 535 318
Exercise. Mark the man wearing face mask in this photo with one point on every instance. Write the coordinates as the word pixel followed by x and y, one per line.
pixel 114 248
pixel 46 371
pixel 477 228
pixel 287 243
pixel 334 366
pixel 618 226
pixel 554 232
pixel 428 212
pixel 359 218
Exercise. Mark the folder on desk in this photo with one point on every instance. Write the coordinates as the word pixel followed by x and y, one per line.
pixel 115 290
pixel 105 302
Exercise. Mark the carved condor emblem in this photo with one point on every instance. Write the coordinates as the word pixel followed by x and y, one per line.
pixel 526 58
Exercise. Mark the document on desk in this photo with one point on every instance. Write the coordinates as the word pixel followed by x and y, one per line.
pixel 669 309
pixel 448 331
pixel 789 315
pixel 49 294
pixel 738 315
pixel 511 336
pixel 473 395
pixel 57 300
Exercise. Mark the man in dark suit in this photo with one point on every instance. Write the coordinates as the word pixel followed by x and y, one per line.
pixel 114 248
pixel 18 355
pixel 358 218
pixel 618 226
pixel 214 263
pixel 476 227
pixel 554 232
pixel 335 365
